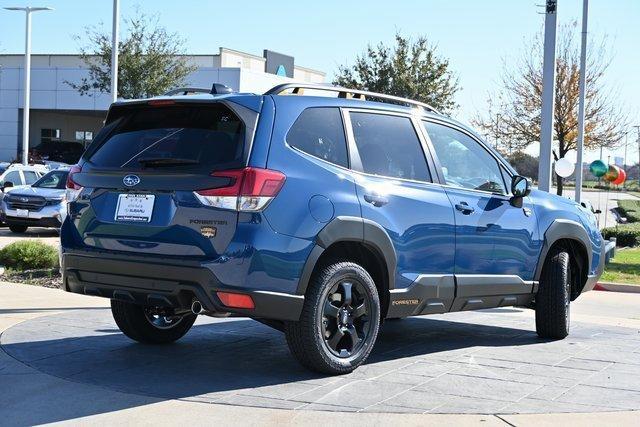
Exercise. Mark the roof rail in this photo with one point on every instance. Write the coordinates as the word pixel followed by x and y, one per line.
pixel 216 89
pixel 343 92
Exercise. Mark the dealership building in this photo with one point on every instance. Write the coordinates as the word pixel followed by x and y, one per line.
pixel 60 113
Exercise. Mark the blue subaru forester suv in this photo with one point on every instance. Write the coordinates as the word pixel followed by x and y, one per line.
pixel 319 211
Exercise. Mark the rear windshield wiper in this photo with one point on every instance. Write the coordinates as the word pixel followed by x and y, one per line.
pixel 166 161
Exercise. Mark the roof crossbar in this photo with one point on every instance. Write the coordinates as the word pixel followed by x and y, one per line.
pixel 298 89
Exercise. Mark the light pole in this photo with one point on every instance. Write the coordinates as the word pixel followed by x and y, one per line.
pixel 624 162
pixel 548 95
pixel 27 78
pixel 114 51
pixel 497 128
pixel 581 90
pixel 638 140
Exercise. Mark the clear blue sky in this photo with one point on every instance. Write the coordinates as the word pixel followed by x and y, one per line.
pixel 476 35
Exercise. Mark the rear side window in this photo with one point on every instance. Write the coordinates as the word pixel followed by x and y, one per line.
pixel 30 177
pixel 389 146
pixel 182 137
pixel 319 132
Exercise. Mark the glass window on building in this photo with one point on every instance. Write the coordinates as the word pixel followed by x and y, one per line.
pixel 84 136
pixel 47 135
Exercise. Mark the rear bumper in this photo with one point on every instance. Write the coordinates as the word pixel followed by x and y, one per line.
pixel 167 283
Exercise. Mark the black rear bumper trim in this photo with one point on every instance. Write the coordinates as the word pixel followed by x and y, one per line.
pixel 168 285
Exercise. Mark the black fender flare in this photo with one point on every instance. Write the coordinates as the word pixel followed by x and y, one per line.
pixel 350 229
pixel 563 229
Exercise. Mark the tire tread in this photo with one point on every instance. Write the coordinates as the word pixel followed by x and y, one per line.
pixel 550 308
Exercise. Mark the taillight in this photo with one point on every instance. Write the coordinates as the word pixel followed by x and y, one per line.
pixel 73 189
pixel 249 189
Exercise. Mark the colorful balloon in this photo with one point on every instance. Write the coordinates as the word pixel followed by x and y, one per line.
pixel 598 168
pixel 622 176
pixel 612 173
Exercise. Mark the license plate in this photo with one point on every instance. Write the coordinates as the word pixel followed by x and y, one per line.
pixel 135 207
pixel 23 213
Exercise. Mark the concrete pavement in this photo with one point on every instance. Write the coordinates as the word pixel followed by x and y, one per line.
pixel 38 385
pixel 600 200
pixel 46 235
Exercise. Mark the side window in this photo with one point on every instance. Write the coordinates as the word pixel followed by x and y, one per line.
pixel 13 177
pixel 389 146
pixel 30 177
pixel 319 132
pixel 465 163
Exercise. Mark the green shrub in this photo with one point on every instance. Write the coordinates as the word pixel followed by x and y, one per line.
pixel 630 209
pixel 625 234
pixel 29 254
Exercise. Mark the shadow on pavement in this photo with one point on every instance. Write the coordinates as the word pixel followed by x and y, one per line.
pixel 213 360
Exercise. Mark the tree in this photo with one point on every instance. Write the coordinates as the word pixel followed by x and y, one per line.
pixel 409 69
pixel 513 113
pixel 524 163
pixel 149 60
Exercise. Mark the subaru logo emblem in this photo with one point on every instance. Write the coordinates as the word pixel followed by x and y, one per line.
pixel 131 180
pixel 24 199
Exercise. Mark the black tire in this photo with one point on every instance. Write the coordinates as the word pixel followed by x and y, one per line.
pixel 18 228
pixel 335 336
pixel 135 322
pixel 554 296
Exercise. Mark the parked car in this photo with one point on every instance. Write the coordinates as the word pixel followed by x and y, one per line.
pixel 57 151
pixel 41 204
pixel 319 216
pixel 18 174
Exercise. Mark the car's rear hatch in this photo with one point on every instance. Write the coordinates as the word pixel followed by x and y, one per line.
pixel 139 177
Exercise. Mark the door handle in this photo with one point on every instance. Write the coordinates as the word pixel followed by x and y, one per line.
pixel 464 208
pixel 376 200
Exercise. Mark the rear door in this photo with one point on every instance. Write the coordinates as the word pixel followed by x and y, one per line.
pixel 141 174
pixel 395 190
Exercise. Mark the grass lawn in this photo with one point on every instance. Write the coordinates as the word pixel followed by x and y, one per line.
pixel 624 268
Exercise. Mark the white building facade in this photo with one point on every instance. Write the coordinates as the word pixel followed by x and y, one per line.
pixel 60 113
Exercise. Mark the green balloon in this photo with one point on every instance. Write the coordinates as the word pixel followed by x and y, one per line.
pixel 598 168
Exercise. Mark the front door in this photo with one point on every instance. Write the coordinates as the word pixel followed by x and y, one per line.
pixel 395 191
pixel 497 240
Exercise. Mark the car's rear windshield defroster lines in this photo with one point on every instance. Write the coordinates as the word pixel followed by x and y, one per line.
pixel 203 137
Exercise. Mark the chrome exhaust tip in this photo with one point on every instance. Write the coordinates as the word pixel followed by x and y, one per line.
pixel 196 307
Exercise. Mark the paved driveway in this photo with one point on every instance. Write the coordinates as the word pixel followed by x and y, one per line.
pixel 603 201
pixel 47 235
pixel 488 362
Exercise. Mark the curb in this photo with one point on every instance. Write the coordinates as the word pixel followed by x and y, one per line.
pixel 617 287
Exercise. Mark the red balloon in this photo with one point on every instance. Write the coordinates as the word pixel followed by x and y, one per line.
pixel 622 176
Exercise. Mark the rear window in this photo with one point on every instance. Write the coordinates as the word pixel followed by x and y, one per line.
pixel 192 137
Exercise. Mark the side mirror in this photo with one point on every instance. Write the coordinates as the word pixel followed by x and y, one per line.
pixel 7 184
pixel 520 186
